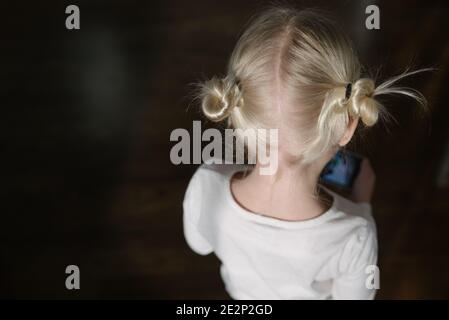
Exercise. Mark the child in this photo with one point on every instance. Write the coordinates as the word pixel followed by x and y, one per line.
pixel 283 236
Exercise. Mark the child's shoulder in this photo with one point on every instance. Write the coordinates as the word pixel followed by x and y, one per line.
pixel 356 215
pixel 209 179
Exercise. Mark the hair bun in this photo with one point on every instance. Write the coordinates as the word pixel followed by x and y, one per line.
pixel 219 97
pixel 363 104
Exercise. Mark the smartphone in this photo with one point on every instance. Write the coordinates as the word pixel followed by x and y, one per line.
pixel 342 169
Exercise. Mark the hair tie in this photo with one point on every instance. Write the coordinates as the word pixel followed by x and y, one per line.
pixel 239 92
pixel 237 83
pixel 348 91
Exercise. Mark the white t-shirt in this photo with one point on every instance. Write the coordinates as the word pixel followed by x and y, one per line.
pixel 326 257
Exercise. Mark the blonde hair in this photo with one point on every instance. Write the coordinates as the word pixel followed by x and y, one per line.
pixel 296 71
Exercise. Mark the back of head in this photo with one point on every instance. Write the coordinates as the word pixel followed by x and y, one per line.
pixel 296 71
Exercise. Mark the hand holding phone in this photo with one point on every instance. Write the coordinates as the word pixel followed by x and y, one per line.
pixel 363 187
pixel 342 170
pixel 351 174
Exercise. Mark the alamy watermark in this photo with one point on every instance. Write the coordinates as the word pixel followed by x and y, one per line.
pixel 259 145
pixel 373 279
pixel 73 279
pixel 372 22
pixel 73 19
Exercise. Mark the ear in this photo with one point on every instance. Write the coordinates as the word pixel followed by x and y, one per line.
pixel 350 129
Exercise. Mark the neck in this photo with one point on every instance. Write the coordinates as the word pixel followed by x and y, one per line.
pixel 291 192
pixel 293 178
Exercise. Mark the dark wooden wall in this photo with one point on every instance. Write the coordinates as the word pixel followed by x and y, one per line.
pixel 85 125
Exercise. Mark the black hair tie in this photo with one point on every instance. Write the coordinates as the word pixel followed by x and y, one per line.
pixel 238 83
pixel 348 91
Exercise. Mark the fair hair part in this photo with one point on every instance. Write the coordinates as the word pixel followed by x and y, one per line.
pixel 290 70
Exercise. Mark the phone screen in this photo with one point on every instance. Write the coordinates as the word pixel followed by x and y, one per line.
pixel 342 169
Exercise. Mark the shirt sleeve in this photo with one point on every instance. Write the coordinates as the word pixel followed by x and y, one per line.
pixel 191 217
pixel 359 274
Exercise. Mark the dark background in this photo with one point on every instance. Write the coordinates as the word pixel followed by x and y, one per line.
pixel 86 117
